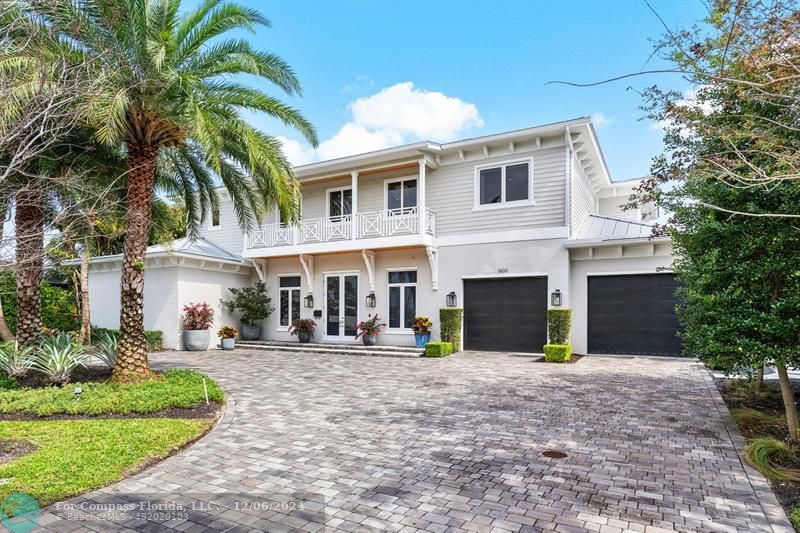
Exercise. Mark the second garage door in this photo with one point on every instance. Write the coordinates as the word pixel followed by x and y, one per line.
pixel 633 314
pixel 505 314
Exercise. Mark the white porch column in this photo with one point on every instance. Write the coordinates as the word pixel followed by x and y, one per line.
pixel 421 194
pixel 354 185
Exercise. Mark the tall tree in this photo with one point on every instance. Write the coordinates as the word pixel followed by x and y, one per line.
pixel 167 93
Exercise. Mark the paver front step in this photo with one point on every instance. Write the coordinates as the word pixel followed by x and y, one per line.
pixel 339 349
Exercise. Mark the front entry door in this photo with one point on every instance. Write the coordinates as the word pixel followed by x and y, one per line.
pixel 341 306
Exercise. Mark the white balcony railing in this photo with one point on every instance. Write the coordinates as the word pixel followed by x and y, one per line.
pixel 365 225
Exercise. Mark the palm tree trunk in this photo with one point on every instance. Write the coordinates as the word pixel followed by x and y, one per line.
pixel 789 404
pixel 132 362
pixel 86 317
pixel 29 223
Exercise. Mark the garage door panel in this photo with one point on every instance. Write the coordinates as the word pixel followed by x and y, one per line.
pixel 633 314
pixel 495 308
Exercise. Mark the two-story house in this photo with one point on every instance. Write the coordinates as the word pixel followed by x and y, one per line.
pixel 505 224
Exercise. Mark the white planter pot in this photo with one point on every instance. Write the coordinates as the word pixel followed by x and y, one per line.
pixel 196 340
pixel 228 344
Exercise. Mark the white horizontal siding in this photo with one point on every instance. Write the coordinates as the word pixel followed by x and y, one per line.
pixel 582 198
pixel 228 235
pixel 612 207
pixel 451 190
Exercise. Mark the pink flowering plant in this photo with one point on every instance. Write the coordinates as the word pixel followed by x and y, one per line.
pixel 197 316
pixel 370 327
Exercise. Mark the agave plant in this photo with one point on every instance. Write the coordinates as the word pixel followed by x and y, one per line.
pixel 59 340
pixel 106 348
pixel 16 360
pixel 57 361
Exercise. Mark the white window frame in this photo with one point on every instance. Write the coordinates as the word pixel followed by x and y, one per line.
pixel 211 225
pixel 328 200
pixel 289 290
pixel 389 181
pixel 401 330
pixel 477 206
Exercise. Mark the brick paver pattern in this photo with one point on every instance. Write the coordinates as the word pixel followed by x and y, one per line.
pixel 449 445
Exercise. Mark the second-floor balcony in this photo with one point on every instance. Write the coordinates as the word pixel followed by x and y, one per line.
pixel 385 228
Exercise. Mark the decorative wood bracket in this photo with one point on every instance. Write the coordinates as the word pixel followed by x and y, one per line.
pixel 433 259
pixel 307 262
pixel 369 262
pixel 261 269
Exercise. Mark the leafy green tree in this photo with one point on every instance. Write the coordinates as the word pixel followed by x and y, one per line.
pixel 167 93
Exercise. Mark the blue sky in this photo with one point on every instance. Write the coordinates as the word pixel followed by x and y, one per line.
pixel 378 73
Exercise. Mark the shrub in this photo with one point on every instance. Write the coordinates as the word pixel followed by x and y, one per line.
pixel 106 348
pixel 57 360
pixel 370 327
pixel 302 325
pixel 58 305
pixel 557 353
pixel 197 316
pixel 15 360
pixel 794 517
pixel 450 325
pixel 252 302
pixel 227 332
pixel 421 324
pixel 155 337
pixel 559 322
pixel 438 349
pixel 768 456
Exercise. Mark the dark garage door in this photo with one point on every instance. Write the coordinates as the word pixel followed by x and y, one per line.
pixel 505 314
pixel 633 314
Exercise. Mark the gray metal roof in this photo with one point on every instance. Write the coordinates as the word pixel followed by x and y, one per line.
pixel 199 246
pixel 600 228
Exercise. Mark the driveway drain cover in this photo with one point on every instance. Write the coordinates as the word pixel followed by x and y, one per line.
pixel 554 454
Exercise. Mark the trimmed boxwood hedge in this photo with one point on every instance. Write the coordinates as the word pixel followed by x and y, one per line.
pixel 557 353
pixel 559 322
pixel 155 337
pixel 438 349
pixel 450 326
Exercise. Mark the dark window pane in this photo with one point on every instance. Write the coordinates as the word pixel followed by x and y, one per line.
pixel 393 198
pixel 335 204
pixel 410 306
pixel 332 305
pixel 347 202
pixel 405 276
pixel 409 194
pixel 284 308
pixel 295 305
pixel 215 216
pixel 350 306
pixel 394 307
pixel 290 281
pixel 517 182
pixel 490 183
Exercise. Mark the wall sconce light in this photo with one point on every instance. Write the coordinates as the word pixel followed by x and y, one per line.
pixel 555 298
pixel 371 300
pixel 309 301
pixel 452 299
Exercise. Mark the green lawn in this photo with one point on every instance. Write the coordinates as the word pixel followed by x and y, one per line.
pixel 177 388
pixel 74 456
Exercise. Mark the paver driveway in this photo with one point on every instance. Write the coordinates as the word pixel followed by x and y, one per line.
pixel 455 444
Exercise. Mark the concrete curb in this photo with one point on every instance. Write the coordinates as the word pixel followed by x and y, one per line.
pixel 776 517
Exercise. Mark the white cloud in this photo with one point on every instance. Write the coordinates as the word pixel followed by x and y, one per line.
pixel 359 84
pixel 600 120
pixel 393 116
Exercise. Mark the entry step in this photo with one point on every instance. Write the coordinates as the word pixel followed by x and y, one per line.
pixel 330 348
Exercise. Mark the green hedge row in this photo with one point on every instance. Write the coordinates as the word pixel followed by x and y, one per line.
pixel 59 311
pixel 438 349
pixel 155 337
pixel 559 322
pixel 450 325
pixel 557 353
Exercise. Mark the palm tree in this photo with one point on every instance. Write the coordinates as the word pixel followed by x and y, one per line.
pixel 167 94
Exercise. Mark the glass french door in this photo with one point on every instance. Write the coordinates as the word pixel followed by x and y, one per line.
pixel 341 306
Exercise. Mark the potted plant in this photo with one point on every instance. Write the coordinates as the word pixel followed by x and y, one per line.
pixel 227 334
pixel 422 334
pixel 369 329
pixel 254 304
pixel 197 319
pixel 303 328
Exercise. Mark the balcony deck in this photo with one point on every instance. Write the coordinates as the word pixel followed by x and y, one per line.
pixel 380 229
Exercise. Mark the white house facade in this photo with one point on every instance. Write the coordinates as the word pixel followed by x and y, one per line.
pixel 509 224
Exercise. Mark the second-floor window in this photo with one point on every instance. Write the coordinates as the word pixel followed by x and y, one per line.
pixel 401 195
pixel 289 288
pixel 505 184
pixel 340 203
pixel 215 221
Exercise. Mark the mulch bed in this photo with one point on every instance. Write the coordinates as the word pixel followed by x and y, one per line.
pixel 11 449
pixel 212 410
pixel 98 374
pixel 575 358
